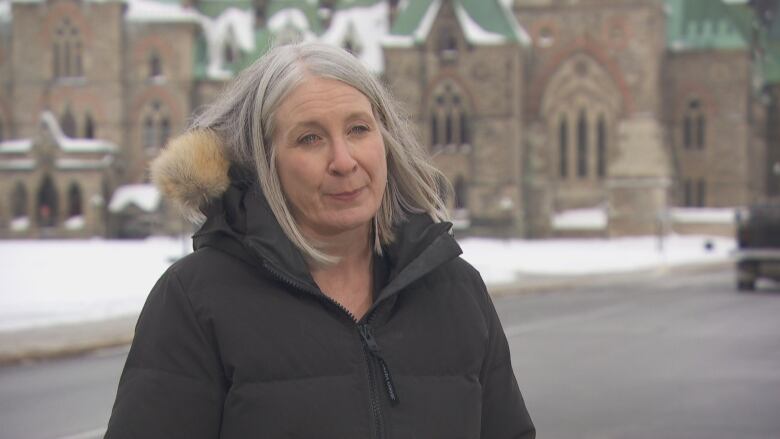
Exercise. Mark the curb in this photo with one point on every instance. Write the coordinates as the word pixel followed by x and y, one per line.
pixel 39 344
pixel 65 340
pixel 534 283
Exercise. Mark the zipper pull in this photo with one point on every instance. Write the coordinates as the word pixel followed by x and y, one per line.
pixel 368 338
pixel 373 347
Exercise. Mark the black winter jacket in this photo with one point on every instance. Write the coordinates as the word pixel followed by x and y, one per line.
pixel 236 341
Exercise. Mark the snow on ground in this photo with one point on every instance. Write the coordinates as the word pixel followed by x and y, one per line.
pixel 508 260
pixel 53 282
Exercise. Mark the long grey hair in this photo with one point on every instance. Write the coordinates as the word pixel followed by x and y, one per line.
pixel 243 117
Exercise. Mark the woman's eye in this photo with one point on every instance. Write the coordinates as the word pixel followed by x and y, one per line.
pixel 358 129
pixel 308 139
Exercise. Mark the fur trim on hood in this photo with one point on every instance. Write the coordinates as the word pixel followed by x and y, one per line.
pixel 191 171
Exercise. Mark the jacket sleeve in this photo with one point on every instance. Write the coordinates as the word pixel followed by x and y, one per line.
pixel 504 415
pixel 171 385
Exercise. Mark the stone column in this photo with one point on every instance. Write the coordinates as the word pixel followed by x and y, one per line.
pixel 638 179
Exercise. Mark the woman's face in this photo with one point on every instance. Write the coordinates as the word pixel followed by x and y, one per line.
pixel 330 157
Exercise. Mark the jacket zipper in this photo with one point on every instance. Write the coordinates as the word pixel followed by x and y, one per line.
pixel 370 348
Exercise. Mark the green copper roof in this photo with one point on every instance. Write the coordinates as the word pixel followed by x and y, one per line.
pixel 213 8
pixel 410 17
pixel 771 65
pixel 490 15
pixel 309 9
pixel 346 4
pixel 707 24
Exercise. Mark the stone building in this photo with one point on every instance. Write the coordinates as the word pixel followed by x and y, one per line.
pixel 532 108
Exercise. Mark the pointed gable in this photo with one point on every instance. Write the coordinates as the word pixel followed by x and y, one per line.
pixel 483 22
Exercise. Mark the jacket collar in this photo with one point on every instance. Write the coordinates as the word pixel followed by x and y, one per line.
pixel 241 223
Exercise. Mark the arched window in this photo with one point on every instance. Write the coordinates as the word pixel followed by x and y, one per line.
pixel 19 201
pixel 700 131
pixel 465 133
pixel 448 128
pixel 582 145
pixel 67 51
pixel 165 131
pixel 694 125
pixel 68 123
pixel 450 124
pixel 460 193
pixel 149 132
pixel 89 127
pixel 601 147
pixel 155 65
pixel 74 201
pixel 47 209
pixel 563 147
pixel 156 128
pixel 434 130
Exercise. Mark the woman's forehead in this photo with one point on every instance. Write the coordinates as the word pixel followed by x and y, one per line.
pixel 316 95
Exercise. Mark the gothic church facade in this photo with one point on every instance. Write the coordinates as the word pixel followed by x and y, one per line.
pixel 531 107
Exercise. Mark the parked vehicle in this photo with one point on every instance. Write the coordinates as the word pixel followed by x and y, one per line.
pixel 758 244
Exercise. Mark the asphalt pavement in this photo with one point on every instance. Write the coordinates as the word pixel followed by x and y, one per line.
pixel 674 354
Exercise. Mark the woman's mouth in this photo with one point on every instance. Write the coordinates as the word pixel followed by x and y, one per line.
pixel 347 195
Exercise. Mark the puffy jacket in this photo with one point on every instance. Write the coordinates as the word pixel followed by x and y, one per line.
pixel 237 341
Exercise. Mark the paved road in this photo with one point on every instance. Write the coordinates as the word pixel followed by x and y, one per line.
pixel 674 357
pixel 680 356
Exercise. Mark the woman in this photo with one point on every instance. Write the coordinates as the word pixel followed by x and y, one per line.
pixel 325 298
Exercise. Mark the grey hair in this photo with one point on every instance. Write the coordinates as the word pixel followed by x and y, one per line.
pixel 243 117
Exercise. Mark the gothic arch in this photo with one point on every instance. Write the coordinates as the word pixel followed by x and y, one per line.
pixel 581 105
pixel 592 50
pixel 75 201
pixel 160 94
pixel 155 124
pixel 450 116
pixel 47 206
pixel 146 49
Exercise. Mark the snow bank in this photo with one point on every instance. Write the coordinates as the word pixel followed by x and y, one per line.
pixel 54 282
pixel 502 261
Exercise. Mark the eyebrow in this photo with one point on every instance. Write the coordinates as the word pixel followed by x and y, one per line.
pixel 313 123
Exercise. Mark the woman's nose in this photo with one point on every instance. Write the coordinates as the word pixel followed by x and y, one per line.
pixel 341 162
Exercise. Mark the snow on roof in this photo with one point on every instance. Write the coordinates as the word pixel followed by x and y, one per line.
pixel 581 219
pixel 427 21
pixel 84 164
pixel 365 27
pixel 17 165
pixel 153 11
pixel 18 146
pixel 288 17
pixel 420 32
pixel 232 27
pixel 473 32
pixel 144 196
pixel 75 145
pixel 519 31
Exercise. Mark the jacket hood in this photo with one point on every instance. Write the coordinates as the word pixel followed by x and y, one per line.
pixel 197 176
